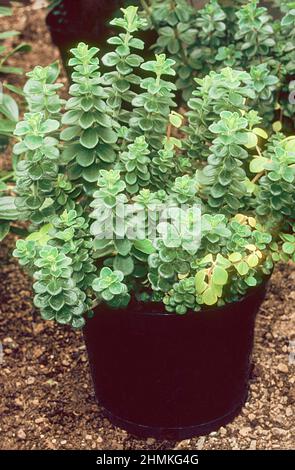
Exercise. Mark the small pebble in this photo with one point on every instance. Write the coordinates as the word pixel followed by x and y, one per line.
pixel 21 434
pixel 289 411
pixel 39 420
pixel 252 445
pixel 283 368
pixel 30 380
pixel 244 431
pixel 150 441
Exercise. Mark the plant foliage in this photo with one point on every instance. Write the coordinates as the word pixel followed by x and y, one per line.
pixel 116 150
pixel 239 34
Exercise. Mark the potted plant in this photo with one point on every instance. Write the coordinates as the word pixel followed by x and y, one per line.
pixel 154 231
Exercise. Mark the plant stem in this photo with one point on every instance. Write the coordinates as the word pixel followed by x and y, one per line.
pixel 256 177
pixel 145 6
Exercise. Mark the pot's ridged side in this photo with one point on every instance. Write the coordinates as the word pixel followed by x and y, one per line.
pixel 170 375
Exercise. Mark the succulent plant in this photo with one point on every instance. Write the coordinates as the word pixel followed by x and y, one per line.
pixel 241 34
pixel 129 198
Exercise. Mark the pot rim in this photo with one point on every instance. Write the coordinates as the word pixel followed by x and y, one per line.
pixel 137 307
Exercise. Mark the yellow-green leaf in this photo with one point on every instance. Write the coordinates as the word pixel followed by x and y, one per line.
pixel 258 164
pixel 209 296
pixel 260 132
pixel 277 126
pixel 252 140
pixel 252 260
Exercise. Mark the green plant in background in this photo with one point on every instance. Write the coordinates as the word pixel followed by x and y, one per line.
pixel 9 115
pixel 240 34
pixel 190 210
pixel 8 211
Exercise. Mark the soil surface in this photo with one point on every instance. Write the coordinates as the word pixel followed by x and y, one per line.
pixel 47 398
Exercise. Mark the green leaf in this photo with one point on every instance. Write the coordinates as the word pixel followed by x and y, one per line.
pixel 252 260
pixel 13 70
pixel 288 248
pixel 200 283
pixel 4 229
pixel 89 138
pixel 14 89
pixel 219 276
pixel 50 125
pixel 107 135
pixel 145 246
pixel 251 281
pixel 63 317
pixel 7 127
pixel 8 34
pixel 8 210
pixel 175 119
pixel 235 257
pixel 70 133
pixel 277 126
pixel 85 157
pixel 123 246
pixel 166 270
pixel 47 314
pixel 258 164
pixel 91 173
pixel 209 297
pixel 5 11
pixel 252 140
pixel 260 132
pixel 288 174
pixel 242 268
pixel 106 153
pixel 54 287
pixel 33 141
pixel 9 108
pixel 57 302
pixel 124 264
pixel 78 322
pixel 236 99
pixel 111 59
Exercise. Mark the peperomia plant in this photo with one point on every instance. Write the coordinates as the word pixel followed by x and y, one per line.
pixel 129 199
pixel 239 34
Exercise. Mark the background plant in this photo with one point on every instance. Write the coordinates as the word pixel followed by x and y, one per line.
pixel 80 162
pixel 9 115
pixel 241 34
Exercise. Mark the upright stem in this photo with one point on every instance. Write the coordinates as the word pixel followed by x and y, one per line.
pixel 145 6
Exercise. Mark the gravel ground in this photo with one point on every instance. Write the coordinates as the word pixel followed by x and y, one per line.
pixel 47 396
pixel 48 400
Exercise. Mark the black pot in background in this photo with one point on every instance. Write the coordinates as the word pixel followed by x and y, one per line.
pixel 73 21
pixel 171 376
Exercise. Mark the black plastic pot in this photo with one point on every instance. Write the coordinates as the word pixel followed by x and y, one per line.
pixel 171 376
pixel 73 21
